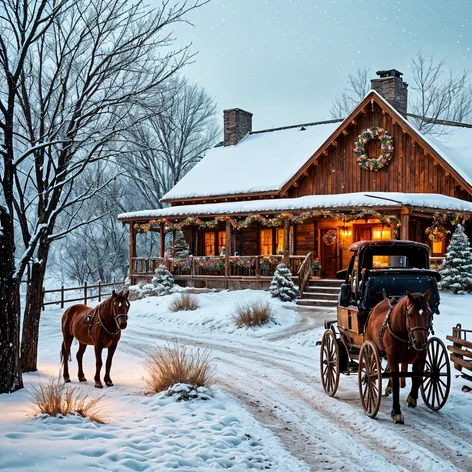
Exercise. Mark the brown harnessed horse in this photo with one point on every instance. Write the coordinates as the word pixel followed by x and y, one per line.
pixel 99 327
pixel 401 331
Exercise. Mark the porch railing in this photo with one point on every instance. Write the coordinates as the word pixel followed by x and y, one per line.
pixel 239 266
pixel 305 272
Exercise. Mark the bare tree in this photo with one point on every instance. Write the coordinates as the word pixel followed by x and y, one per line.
pixel 166 146
pixel 440 94
pixel 436 94
pixel 356 90
pixel 73 73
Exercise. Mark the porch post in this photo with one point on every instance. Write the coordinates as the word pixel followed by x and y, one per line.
pixel 132 251
pixel 405 223
pixel 162 236
pixel 228 249
pixel 286 240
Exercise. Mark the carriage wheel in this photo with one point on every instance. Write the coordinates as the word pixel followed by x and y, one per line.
pixel 437 381
pixel 329 363
pixel 370 378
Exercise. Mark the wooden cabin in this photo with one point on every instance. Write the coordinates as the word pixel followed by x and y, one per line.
pixel 305 193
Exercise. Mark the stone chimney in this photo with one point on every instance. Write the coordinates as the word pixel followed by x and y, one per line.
pixel 391 86
pixel 237 123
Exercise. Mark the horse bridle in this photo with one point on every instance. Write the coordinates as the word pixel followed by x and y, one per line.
pixel 386 325
pixel 116 317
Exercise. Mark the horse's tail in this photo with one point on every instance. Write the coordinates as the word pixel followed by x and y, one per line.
pixel 67 335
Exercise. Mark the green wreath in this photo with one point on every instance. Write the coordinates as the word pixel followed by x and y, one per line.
pixel 386 149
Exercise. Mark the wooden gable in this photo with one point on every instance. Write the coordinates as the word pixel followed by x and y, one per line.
pixel 414 168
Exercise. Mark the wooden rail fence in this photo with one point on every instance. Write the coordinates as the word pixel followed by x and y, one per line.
pixel 85 293
pixel 461 350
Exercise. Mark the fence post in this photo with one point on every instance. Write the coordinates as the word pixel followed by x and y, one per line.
pixel 43 297
pixel 62 296
pixel 85 292
pixel 99 291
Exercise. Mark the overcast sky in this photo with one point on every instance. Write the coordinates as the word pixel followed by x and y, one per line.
pixel 285 60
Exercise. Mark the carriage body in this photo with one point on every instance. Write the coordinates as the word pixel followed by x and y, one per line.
pixel 379 269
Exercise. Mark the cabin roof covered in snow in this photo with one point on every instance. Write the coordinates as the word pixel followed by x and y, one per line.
pixel 346 201
pixel 260 162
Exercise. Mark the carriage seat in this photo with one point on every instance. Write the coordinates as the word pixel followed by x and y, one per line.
pixel 396 284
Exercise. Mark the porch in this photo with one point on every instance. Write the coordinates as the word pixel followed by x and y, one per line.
pixel 239 244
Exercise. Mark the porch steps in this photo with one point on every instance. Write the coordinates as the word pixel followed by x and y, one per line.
pixel 320 293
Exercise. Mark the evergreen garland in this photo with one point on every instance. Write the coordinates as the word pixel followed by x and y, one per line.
pixel 282 285
pixel 163 281
pixel 456 269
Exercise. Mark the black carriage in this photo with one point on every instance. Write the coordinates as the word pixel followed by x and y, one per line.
pixel 380 269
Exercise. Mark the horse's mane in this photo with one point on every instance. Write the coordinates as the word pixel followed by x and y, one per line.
pixel 106 307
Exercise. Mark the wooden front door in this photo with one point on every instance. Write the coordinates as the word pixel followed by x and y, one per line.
pixel 329 253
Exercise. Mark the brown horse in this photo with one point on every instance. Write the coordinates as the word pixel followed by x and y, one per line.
pixel 99 327
pixel 400 330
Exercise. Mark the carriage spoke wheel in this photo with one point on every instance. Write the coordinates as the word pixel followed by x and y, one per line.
pixel 370 379
pixel 437 375
pixel 329 363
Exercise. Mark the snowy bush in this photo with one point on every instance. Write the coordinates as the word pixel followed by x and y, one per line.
pixel 456 269
pixel 282 285
pixel 253 313
pixel 176 364
pixel 184 302
pixel 55 399
pixel 163 281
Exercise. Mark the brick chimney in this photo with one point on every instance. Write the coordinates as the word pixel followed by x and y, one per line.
pixel 391 86
pixel 237 123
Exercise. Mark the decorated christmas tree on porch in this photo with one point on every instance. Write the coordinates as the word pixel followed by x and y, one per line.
pixel 456 269
pixel 282 285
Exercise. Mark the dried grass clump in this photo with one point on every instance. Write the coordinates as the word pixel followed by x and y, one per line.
pixel 174 364
pixel 184 302
pixel 253 313
pixel 55 398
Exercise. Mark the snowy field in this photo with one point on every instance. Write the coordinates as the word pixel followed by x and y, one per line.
pixel 268 409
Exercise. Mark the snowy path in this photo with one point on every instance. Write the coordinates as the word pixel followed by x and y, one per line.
pixel 282 386
pixel 274 372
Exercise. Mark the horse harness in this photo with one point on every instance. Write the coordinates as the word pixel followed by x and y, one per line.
pixel 386 325
pixel 89 319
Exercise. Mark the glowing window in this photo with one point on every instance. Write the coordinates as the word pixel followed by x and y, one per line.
pixel 266 241
pixel 209 244
pixel 221 240
pixel 379 232
pixel 437 247
pixel 280 240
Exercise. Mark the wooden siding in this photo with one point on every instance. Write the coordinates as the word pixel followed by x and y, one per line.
pixel 304 238
pixel 409 171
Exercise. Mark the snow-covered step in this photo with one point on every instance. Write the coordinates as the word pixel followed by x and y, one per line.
pixel 320 296
pixel 322 288
pixel 317 302
pixel 325 282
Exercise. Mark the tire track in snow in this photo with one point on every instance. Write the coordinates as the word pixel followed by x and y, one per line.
pixel 371 431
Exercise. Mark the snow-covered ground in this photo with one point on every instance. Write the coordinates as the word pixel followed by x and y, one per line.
pixel 268 409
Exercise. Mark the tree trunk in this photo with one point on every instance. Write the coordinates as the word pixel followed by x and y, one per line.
pixel 32 313
pixel 10 372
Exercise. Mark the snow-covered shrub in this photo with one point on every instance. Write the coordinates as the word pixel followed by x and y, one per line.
pixel 253 313
pixel 55 399
pixel 163 281
pixel 184 302
pixel 456 269
pixel 175 364
pixel 188 392
pixel 282 285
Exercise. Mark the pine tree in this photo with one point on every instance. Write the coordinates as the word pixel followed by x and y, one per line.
pixel 456 269
pixel 282 285
pixel 181 247
pixel 163 281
